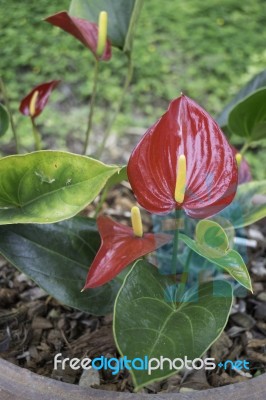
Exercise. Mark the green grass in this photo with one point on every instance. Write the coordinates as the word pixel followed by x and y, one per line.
pixel 206 49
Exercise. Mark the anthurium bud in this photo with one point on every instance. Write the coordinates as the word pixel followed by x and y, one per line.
pixel 181 177
pixel 102 33
pixel 136 222
pixel 33 101
pixel 238 159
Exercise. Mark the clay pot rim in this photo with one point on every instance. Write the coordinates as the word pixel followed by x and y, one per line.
pixel 17 383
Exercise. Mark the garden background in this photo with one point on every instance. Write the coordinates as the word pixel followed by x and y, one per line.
pixel 208 50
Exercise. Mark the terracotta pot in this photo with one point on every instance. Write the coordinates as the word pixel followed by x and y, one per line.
pixel 20 384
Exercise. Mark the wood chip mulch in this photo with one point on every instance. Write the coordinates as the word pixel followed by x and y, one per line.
pixel 34 327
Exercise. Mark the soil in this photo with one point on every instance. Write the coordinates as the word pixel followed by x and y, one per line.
pixel 34 327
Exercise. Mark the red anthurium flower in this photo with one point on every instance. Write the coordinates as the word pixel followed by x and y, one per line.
pixel 120 246
pixel 85 31
pixel 244 173
pixel 33 104
pixel 184 161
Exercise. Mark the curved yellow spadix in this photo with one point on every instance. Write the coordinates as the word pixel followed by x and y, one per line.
pixel 102 33
pixel 136 221
pixel 181 178
pixel 33 100
pixel 238 157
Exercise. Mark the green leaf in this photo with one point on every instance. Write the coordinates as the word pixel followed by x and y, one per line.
pixel 227 227
pixel 248 118
pixel 4 120
pixel 48 186
pixel 57 258
pixel 231 261
pixel 118 177
pixel 149 322
pixel 248 206
pixel 255 83
pixel 212 238
pixel 122 17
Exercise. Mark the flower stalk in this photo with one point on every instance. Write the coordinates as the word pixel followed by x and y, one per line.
pixel 7 104
pixel 127 81
pixel 92 106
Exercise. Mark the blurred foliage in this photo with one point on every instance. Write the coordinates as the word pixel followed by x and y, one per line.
pixel 207 49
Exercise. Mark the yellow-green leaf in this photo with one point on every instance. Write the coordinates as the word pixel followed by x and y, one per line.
pixel 48 186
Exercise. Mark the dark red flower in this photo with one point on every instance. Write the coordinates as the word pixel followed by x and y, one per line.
pixel 33 104
pixel 185 150
pixel 119 248
pixel 85 31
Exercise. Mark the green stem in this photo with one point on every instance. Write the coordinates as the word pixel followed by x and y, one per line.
pixel 182 284
pixel 7 104
pixel 92 104
pixel 36 135
pixel 244 148
pixel 175 243
pixel 119 105
pixel 102 199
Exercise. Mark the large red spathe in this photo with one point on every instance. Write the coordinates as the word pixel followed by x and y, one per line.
pixel 212 175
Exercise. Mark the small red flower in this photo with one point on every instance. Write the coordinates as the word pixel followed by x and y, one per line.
pixel 119 247
pixel 85 31
pixel 244 173
pixel 33 104
pixel 184 161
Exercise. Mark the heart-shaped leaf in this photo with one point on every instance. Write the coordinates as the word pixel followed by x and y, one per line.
pixel 255 83
pixel 4 120
pixel 48 186
pixel 248 206
pixel 149 322
pixel 57 258
pixel 248 118
pixel 231 261
pixel 122 17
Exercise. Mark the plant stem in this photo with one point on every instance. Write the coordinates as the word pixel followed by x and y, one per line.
pixel 244 148
pixel 92 104
pixel 175 243
pixel 36 135
pixel 182 284
pixel 119 105
pixel 7 104
pixel 102 199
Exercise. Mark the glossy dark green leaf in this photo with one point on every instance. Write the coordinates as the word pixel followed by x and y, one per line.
pixel 4 120
pixel 254 84
pixel 48 186
pixel 149 322
pixel 231 261
pixel 122 17
pixel 248 118
pixel 248 206
pixel 57 257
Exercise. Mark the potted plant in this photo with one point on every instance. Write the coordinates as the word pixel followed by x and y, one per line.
pixel 183 167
